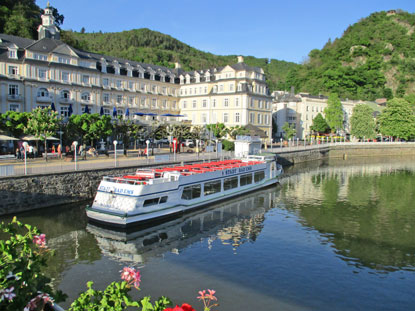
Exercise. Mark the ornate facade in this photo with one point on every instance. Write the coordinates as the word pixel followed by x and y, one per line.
pixel 39 73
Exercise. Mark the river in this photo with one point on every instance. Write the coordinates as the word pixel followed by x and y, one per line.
pixel 334 235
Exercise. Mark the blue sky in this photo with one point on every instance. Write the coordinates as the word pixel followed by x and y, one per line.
pixel 284 30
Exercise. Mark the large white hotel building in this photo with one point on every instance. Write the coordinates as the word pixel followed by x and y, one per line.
pixel 37 73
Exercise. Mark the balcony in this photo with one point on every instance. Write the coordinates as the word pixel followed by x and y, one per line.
pixel 15 97
pixel 66 100
pixel 43 99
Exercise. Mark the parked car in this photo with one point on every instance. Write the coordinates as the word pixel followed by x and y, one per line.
pixel 189 143
pixel 161 141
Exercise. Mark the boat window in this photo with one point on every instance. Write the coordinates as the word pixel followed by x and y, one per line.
pixel 212 187
pixel 163 200
pixel 258 176
pixel 191 192
pixel 230 183
pixel 149 202
pixel 245 179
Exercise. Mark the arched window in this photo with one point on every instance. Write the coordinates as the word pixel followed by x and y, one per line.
pixel 86 96
pixel 43 92
pixel 65 94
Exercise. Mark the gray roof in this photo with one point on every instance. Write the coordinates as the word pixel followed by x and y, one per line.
pixel 45 45
pixel 19 41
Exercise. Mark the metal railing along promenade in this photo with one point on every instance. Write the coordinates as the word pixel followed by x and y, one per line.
pixel 13 167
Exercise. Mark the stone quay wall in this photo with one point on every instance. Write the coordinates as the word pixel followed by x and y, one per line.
pixel 24 193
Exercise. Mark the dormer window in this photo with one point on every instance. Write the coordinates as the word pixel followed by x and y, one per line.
pixel 13 71
pixel 12 53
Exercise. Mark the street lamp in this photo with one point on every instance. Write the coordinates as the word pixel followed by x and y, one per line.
pixel 25 158
pixel 281 143
pixel 75 143
pixel 147 143
pixel 115 152
pixel 174 148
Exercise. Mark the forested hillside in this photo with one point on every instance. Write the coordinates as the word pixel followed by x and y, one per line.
pixel 145 45
pixel 374 58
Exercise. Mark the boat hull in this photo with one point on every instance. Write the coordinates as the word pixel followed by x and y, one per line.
pixel 159 216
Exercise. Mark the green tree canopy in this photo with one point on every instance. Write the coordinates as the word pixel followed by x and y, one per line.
pixel 334 113
pixel 14 122
pixel 319 124
pixel 362 122
pixel 42 122
pixel 90 127
pixel 218 129
pixel 237 130
pixel 289 130
pixel 397 119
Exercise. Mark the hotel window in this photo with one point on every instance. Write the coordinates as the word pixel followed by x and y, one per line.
pixel 65 76
pixel 13 90
pixel 13 70
pixel 259 118
pixel 231 87
pixel 40 57
pixel 174 105
pixel 14 107
pixel 236 102
pixel 105 82
pixel 312 109
pixel 119 99
pixel 204 103
pixel 237 117
pixel 64 111
pixel 191 192
pixel 119 83
pixel 153 89
pixel 230 183
pixel 252 103
pixel 164 104
pixel 226 102
pixel 154 103
pixel 225 117
pixel 107 112
pixel 120 112
pixel 195 90
pixel 86 96
pixel 143 87
pixel 106 98
pixel 205 89
pixel 64 60
pixel 221 88
pixel 163 90
pixel 194 104
pixel 131 85
pixel 85 79
pixel 204 118
pixel 131 100
pixel 190 91
pixel 307 108
pixel 245 179
pixel 258 176
pixel 43 92
pixel 252 118
pixel 267 105
pixel 143 102
pixel 214 103
pixel 260 104
pixel 266 119
pixel 65 94
pixel 212 187
pixel 13 54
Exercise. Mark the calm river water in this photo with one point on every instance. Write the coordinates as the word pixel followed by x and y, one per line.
pixel 336 235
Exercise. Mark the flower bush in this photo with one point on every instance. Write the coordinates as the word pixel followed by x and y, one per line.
pixel 23 254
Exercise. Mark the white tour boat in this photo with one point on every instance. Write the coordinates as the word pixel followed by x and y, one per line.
pixel 154 194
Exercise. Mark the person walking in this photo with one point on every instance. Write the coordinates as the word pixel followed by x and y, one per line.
pixel 59 151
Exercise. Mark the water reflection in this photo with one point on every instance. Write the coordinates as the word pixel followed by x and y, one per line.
pixel 232 222
pixel 366 212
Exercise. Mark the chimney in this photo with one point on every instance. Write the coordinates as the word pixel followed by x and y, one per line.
pixel 240 59
pixel 177 65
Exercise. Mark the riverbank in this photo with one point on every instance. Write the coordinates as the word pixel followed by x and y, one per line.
pixel 25 193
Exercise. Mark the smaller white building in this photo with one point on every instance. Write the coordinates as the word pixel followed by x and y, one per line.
pixel 247 145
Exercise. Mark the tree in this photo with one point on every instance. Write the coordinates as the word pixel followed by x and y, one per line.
pixel 289 130
pixel 397 119
pixel 218 129
pixel 42 122
pixel 334 113
pixel 237 131
pixel 319 124
pixel 362 122
pixel 90 127
pixel 14 122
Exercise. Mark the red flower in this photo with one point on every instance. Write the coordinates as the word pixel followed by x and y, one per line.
pixel 184 307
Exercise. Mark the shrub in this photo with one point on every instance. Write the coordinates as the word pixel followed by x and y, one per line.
pixel 228 145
